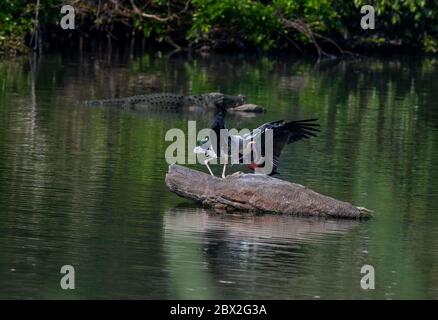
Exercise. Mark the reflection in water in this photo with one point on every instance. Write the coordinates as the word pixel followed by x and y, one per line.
pixel 257 229
pixel 240 252
pixel 85 186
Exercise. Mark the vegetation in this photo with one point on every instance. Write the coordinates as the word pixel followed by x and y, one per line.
pixel 325 25
pixel 15 23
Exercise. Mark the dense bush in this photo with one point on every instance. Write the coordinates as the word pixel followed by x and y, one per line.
pixel 407 21
pixel 261 24
pixel 15 23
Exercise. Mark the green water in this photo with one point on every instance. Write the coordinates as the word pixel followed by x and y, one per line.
pixel 85 186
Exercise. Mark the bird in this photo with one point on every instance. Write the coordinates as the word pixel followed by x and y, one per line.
pixel 250 148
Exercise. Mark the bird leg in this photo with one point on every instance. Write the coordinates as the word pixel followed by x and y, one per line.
pixel 208 167
pixel 223 170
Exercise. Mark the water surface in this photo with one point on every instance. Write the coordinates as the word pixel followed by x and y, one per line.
pixel 85 186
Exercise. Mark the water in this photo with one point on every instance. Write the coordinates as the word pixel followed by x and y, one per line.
pixel 84 186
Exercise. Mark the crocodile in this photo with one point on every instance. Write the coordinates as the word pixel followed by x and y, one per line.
pixel 171 101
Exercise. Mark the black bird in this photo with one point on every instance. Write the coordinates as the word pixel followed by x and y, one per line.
pixel 251 146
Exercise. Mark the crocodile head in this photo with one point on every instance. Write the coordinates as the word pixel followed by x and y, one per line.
pixel 217 99
pixel 233 101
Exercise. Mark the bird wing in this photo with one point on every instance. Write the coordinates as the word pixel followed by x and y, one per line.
pixel 283 133
pixel 289 132
pixel 302 129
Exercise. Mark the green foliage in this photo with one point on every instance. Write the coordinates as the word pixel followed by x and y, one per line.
pixel 260 23
pixel 15 23
pixel 245 23
pixel 430 44
pixel 321 15
pixel 234 21
pixel 411 21
pixel 17 20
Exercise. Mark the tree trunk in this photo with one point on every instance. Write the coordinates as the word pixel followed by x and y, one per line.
pixel 257 193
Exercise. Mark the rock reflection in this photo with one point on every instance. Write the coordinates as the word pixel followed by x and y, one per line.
pixel 241 253
pixel 258 228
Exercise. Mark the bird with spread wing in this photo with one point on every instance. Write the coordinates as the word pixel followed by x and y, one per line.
pixel 220 144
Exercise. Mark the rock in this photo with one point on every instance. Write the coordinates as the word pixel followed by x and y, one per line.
pixel 248 108
pixel 257 193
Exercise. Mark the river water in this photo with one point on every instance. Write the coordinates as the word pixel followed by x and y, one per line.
pixel 84 186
